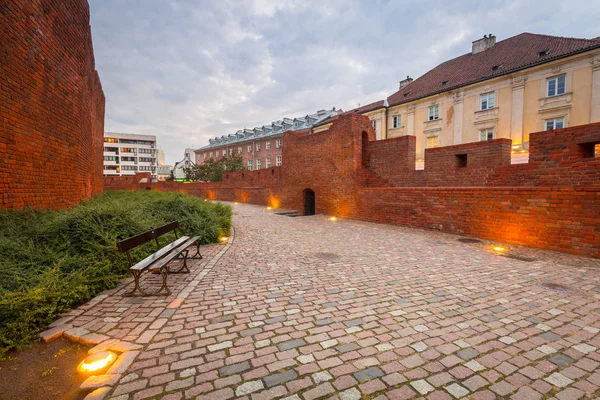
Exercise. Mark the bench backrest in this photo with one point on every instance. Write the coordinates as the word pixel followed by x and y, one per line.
pixel 127 244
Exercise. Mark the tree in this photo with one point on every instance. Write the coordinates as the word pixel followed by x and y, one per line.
pixel 212 170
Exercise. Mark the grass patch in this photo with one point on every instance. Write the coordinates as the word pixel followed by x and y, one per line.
pixel 51 261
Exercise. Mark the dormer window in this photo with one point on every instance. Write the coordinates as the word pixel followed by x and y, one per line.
pixel 496 67
pixel 544 53
pixel 445 82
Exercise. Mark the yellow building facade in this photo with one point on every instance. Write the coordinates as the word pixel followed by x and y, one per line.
pixel 523 84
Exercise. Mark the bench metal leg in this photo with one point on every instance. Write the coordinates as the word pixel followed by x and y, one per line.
pixel 164 272
pixel 137 290
pixel 197 256
pixel 184 268
pixel 136 278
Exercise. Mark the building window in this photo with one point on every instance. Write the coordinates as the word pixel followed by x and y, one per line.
pixel 250 165
pixel 432 142
pixel 258 146
pixel 374 125
pixel 556 85
pixel 211 155
pixel 486 134
pixel 258 164
pixel 224 152
pixel 487 100
pixel 240 150
pixel 268 163
pixel 278 143
pixel 110 140
pixel 249 148
pixel 230 152
pixel 268 145
pixel 110 158
pixel 555 123
pixel 205 156
pixel 433 113
pixel 278 161
pixel 396 121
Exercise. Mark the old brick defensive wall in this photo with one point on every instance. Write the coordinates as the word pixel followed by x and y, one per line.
pixel 51 105
pixel 552 202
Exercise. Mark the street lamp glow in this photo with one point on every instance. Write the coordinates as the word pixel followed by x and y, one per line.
pixel 332 218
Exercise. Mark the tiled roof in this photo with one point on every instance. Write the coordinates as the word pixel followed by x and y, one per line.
pixel 360 110
pixel 275 128
pixel 506 56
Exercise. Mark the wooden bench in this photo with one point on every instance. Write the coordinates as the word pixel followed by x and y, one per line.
pixel 158 262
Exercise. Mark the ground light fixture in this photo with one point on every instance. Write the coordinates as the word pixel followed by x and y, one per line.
pixel 498 249
pixel 224 238
pixel 332 218
pixel 268 208
pixel 97 361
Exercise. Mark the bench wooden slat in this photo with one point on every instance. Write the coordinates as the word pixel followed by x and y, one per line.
pixel 174 253
pixel 146 262
pixel 135 241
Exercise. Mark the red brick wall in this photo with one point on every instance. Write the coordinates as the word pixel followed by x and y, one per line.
pixel 51 105
pixel 552 203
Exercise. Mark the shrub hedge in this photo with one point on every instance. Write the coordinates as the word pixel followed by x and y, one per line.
pixel 51 261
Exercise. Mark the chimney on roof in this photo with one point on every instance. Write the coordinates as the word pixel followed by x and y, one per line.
pixel 405 82
pixel 483 44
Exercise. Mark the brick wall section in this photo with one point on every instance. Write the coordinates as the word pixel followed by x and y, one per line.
pixel 51 105
pixel 551 203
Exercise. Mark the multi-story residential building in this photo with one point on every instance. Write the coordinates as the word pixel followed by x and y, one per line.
pixel 127 153
pixel 161 157
pixel 504 89
pixel 260 147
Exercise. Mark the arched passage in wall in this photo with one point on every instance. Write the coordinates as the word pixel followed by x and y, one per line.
pixel 309 201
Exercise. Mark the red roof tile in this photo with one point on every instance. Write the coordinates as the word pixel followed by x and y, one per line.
pixel 509 55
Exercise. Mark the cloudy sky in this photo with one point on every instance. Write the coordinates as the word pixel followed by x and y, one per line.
pixel 188 70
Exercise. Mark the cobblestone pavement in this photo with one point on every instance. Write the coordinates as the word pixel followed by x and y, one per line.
pixel 307 308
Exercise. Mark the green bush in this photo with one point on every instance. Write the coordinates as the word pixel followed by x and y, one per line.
pixel 51 261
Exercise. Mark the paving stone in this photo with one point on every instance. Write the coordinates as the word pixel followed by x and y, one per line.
pixel 456 390
pixel 561 360
pixel 234 368
pixel 322 376
pixel 354 322
pixel 558 379
pixel 249 387
pixel 368 374
pixel 347 347
pixel 422 386
pixel 276 379
pixel 549 336
pixel 467 354
pixel 350 394
pixel 291 344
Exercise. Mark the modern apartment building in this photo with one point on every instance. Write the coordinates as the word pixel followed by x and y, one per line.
pixel 506 89
pixel 260 147
pixel 127 153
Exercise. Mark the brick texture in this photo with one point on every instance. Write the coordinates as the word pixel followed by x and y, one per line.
pixel 553 202
pixel 51 105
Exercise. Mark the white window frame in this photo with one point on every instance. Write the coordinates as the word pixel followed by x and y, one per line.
pixel 433 112
pixel 278 143
pixel 268 162
pixel 435 141
pixel 211 154
pixel 555 80
pixel 249 165
pixel 396 121
pixel 240 150
pixel 258 163
pixel 268 145
pixel 230 152
pixel 554 123
pixel 486 132
pixel 374 124
pixel 490 101
pixel 249 148
pixel 278 161
pixel 257 146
